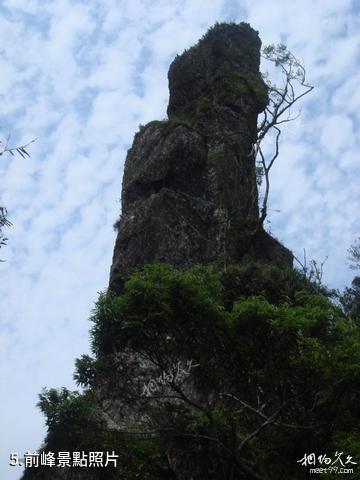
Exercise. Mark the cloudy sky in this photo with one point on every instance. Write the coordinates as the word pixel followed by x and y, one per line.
pixel 81 76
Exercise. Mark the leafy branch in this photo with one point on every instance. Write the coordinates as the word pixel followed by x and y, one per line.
pixel 281 100
pixel 20 149
pixel 23 152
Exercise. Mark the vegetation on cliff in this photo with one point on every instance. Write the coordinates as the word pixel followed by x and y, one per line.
pixel 277 375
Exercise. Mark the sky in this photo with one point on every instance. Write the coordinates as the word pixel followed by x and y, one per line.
pixel 80 76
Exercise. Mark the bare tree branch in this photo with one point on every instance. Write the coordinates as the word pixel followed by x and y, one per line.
pixel 260 413
pixel 312 271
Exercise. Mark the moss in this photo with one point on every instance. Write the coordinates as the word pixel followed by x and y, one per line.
pixel 194 110
pixel 257 277
pixel 241 234
pixel 202 104
pixel 228 192
pixel 153 123
pixel 183 119
pixel 215 156
pixel 167 126
pixel 239 87
pixel 224 30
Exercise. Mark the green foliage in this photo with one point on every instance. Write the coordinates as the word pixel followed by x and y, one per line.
pixel 252 277
pixel 350 300
pixel 278 53
pixel 278 375
pixel 158 299
pixel 221 30
pixel 4 222
pixel 75 424
pixel 349 443
pixel 84 371
pixel 69 416
pixel 153 123
pixel 354 255
pixel 281 56
pixel 270 351
pixel 215 156
pixel 167 126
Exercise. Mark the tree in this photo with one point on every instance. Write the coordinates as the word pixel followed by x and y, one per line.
pixel 312 271
pixel 277 372
pixel 4 222
pixel 350 297
pixel 22 151
pixel 354 255
pixel 281 99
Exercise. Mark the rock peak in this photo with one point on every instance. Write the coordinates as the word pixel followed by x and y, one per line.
pixel 189 192
pixel 213 78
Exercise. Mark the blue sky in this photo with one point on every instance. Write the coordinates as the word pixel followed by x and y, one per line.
pixel 81 76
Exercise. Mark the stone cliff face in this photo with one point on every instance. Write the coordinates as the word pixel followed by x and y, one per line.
pixel 189 190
